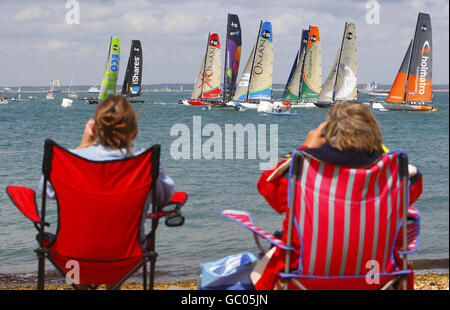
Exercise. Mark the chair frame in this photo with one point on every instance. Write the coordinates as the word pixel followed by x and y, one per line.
pixel 295 171
pixel 149 256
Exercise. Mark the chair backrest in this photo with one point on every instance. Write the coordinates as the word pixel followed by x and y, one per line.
pixel 100 203
pixel 346 220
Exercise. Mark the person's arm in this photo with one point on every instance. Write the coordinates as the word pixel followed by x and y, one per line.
pixel 50 191
pixel 274 189
pixel 164 188
pixel 89 135
pixel 415 178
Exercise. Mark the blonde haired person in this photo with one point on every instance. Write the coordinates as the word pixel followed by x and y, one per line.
pixel 351 137
pixel 110 136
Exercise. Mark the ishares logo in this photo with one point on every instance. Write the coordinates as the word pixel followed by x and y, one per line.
pixel 424 67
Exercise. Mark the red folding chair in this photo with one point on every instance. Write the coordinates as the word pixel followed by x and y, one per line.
pixel 100 209
pixel 345 228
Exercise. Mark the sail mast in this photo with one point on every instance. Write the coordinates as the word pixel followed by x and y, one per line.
pixel 294 67
pixel 409 69
pixel 253 62
pixel 225 65
pixel 204 66
pixel 409 60
pixel 337 65
pixel 305 47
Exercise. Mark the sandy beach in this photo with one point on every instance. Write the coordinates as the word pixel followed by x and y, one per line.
pixel 427 281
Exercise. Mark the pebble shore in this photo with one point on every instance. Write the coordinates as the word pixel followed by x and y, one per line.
pixel 429 281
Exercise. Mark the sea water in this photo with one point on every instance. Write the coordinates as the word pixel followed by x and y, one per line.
pixel 212 184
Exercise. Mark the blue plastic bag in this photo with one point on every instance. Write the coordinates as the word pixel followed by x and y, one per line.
pixel 229 273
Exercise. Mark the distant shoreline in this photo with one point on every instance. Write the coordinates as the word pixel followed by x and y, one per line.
pixel 439 90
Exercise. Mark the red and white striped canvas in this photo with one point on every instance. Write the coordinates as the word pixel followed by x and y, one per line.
pixel 347 218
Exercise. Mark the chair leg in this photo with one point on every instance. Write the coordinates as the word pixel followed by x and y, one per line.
pixel 41 269
pixel 153 256
pixel 144 277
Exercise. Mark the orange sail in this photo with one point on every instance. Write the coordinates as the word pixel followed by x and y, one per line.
pixel 397 93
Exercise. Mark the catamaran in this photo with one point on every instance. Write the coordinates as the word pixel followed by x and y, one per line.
pixel 255 84
pixel 109 81
pixel 207 85
pixel 305 80
pixel 341 81
pixel 132 83
pixel 412 87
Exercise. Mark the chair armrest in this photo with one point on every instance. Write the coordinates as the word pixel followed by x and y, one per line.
pixel 25 200
pixel 176 202
pixel 245 220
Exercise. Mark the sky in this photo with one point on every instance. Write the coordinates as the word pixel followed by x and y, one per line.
pixel 38 43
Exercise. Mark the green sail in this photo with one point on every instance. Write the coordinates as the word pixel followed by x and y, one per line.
pixel 109 81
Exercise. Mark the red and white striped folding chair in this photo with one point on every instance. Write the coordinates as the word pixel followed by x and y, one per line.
pixel 345 225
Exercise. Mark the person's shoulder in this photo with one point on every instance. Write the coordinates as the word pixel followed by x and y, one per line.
pixel 98 152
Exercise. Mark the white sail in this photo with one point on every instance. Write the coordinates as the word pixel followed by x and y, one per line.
pixel 326 94
pixel 341 82
pixel 242 86
pixel 346 82
pixel 208 81
pixel 294 85
pixel 256 80
pixel 261 79
pixel 197 92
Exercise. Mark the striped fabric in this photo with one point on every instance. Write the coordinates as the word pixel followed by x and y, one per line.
pixel 245 219
pixel 413 229
pixel 347 219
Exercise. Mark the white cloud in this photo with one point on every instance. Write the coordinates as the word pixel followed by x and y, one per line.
pixel 33 12
pixel 52 46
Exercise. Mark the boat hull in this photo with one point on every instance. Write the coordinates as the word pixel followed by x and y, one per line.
pixel 281 113
pixel 320 104
pixel 198 102
pixel 247 105
pixel 300 104
pixel 403 107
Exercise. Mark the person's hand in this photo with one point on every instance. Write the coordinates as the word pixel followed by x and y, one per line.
pixel 315 137
pixel 89 136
